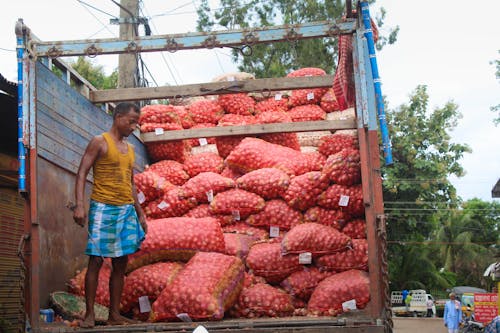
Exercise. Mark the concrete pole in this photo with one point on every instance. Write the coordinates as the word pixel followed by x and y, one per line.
pixel 127 63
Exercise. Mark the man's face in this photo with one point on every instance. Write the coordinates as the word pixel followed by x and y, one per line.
pixel 127 122
pixel 452 297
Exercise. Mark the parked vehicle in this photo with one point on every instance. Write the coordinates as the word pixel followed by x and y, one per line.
pixel 417 306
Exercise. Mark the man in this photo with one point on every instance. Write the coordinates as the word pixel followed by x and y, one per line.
pixel 493 326
pixel 117 224
pixel 404 294
pixel 452 314
pixel 430 304
pixel 408 301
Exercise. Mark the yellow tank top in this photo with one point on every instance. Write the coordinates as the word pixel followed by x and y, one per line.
pixel 112 175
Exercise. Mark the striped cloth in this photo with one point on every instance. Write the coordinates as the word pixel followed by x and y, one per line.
pixel 114 231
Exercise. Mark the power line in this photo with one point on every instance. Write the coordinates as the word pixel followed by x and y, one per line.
pixel 7 50
pixel 218 61
pixel 172 10
pixel 437 242
pixel 104 25
pixel 95 8
pixel 161 53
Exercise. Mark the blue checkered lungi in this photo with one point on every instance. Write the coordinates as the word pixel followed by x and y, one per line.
pixel 114 231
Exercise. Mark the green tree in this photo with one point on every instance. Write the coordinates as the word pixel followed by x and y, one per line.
pixel 484 220
pixel 276 59
pixel 95 74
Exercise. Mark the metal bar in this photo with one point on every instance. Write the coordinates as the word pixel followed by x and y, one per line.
pixel 377 83
pixel 21 152
pixel 214 88
pixel 195 40
pixel 32 105
pixel 360 82
pixel 306 126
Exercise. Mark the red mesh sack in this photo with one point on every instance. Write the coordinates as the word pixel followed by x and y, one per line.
pixel 205 111
pixel 151 185
pixel 355 257
pixel 270 117
pixel 245 229
pixel 230 173
pixel 252 154
pixel 307 96
pixel 148 281
pixel 332 144
pixel 178 239
pixel 355 229
pixel 315 238
pixel 344 167
pixel 240 202
pixel 307 113
pixel 266 260
pixel 203 162
pixel 77 284
pixel 307 71
pixel 269 183
pixel 276 213
pixel 171 204
pixel 204 211
pixel 152 127
pixel 301 284
pixel 329 102
pixel 331 199
pixel 250 280
pixel 205 185
pixel 345 286
pixel 226 144
pixel 272 104
pixel 184 116
pixel 159 113
pixel 196 142
pixel 315 160
pixel 329 217
pixel 174 150
pixel 236 120
pixel 207 287
pixel 172 171
pixel 238 245
pixel 261 300
pixel 304 190
pixel 290 140
pixel 237 104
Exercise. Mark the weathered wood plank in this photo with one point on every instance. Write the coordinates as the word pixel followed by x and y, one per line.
pixel 306 126
pixel 213 88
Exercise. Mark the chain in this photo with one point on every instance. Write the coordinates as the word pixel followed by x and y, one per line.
pixel 22 280
pixel 382 235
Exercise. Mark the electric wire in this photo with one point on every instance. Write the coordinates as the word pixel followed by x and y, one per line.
pixel 95 8
pixel 104 25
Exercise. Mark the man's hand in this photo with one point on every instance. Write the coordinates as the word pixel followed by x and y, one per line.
pixel 79 215
pixel 144 225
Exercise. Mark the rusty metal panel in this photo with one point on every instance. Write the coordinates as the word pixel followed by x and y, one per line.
pixel 11 224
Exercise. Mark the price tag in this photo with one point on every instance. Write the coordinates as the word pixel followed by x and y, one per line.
pixel 184 317
pixel 344 200
pixel 310 96
pixel 200 329
pixel 210 195
pixel 349 305
pixel 159 131
pixel 163 205
pixel 161 182
pixel 144 305
pixel 274 232
pixel 305 258
pixel 203 141
pixel 236 215
pixel 141 197
pixel 277 97
pixel 231 78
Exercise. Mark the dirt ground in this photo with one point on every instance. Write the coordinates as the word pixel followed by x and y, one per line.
pixel 418 325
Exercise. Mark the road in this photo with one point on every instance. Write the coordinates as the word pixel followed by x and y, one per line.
pixel 418 325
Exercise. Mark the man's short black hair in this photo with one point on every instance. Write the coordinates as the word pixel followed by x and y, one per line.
pixel 124 108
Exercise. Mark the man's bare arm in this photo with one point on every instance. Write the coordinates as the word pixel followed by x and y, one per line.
pixel 138 208
pixel 89 157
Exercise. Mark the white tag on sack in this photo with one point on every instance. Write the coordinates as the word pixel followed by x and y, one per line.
pixel 144 305
pixel 141 197
pixel 310 96
pixel 184 317
pixel 210 195
pixel 203 141
pixel 349 305
pixel 277 97
pixel 305 258
pixel 159 131
pixel 236 215
pixel 344 200
pixel 163 205
pixel 200 329
pixel 274 232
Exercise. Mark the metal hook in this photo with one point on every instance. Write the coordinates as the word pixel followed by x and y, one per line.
pixel 92 51
pixel 172 46
pixel 54 52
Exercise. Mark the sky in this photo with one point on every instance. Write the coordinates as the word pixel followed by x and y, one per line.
pixel 446 45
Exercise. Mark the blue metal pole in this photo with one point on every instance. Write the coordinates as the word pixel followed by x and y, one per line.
pixel 386 141
pixel 21 152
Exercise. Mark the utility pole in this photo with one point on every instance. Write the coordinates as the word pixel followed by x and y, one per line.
pixel 127 63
